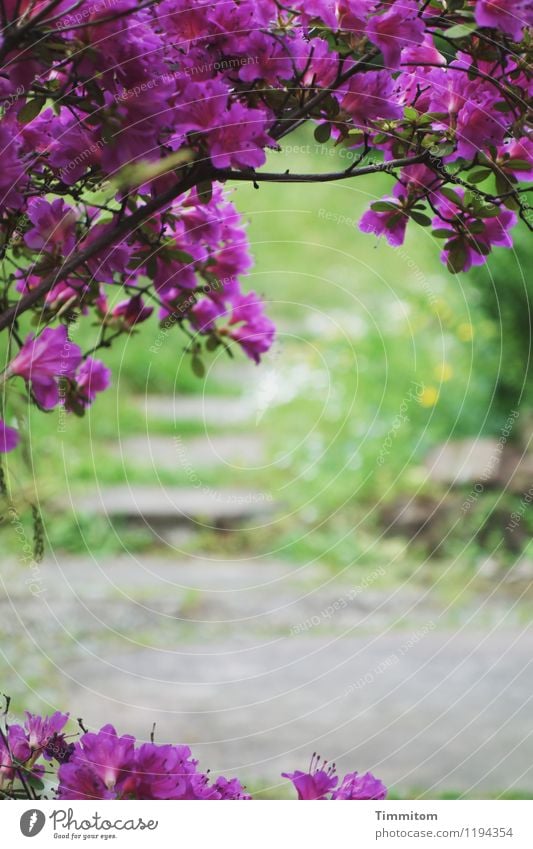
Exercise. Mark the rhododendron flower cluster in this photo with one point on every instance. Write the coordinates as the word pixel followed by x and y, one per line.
pixel 321 782
pixel 123 126
pixel 104 765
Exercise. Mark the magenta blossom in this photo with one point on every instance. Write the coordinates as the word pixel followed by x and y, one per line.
pixel 472 237
pixel 14 749
pixel 133 311
pixel 45 358
pixel 256 332
pixel 106 766
pixel 98 767
pixel 371 96
pixel 9 438
pixel 312 785
pixel 391 223
pixel 321 782
pixel 91 378
pixel 54 227
pixel 21 748
pixel 355 786
pixel 40 730
pixel 509 16
pixel 397 28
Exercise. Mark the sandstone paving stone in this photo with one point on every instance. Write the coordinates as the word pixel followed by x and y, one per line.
pixel 212 410
pixel 185 455
pixel 204 506
pixel 464 461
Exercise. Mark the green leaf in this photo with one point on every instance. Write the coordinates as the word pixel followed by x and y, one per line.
pixel 181 256
pixel 205 191
pixel 479 247
pixel 212 343
pixel 456 257
pixel 442 149
pixel 488 210
pixel 410 113
pixel 31 109
pixel 151 266
pixel 322 133
pixel 518 165
pixel 423 220
pixel 441 233
pixel 502 106
pixel 384 206
pixel 452 195
pixel 198 367
pixel 479 176
pixel 511 202
pixel 460 30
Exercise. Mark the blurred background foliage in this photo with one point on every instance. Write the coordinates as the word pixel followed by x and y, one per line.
pixel 374 343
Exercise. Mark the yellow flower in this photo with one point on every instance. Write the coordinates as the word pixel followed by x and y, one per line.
pixel 465 332
pixel 429 396
pixel 444 372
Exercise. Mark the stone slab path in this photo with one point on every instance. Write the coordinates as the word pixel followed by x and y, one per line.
pixel 159 505
pixel 199 452
pixel 208 409
pixel 258 663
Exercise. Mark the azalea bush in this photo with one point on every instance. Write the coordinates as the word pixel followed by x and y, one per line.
pixel 123 124
pixel 39 758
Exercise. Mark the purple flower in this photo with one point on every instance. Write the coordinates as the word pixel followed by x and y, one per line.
pixel 390 223
pixel 472 236
pixel 54 227
pixel 109 261
pixel 397 28
pixel 41 729
pixel 312 785
pixel 205 313
pixel 355 786
pixel 9 438
pixel 318 782
pixel 73 151
pixel 239 139
pixel 371 96
pixel 23 746
pixel 509 16
pixel 17 751
pixel 353 14
pixel 98 767
pixel 133 311
pixel 91 378
pixel 256 332
pixel 161 772
pixel 105 766
pixel 13 176
pixel 44 358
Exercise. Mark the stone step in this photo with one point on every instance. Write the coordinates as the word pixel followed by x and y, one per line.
pixel 219 411
pixel 464 461
pixel 203 506
pixel 127 594
pixel 183 455
pixel 432 709
pixel 491 462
